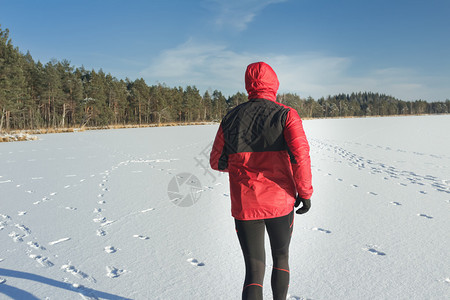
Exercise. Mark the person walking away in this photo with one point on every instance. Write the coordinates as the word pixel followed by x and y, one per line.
pixel 262 145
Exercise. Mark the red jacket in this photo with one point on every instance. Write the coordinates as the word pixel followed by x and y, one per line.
pixel 262 145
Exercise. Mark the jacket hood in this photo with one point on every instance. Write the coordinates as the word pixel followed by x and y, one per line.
pixel 261 81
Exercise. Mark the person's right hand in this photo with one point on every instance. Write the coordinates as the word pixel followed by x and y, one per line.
pixel 305 207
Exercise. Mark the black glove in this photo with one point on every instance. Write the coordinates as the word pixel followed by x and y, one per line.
pixel 305 207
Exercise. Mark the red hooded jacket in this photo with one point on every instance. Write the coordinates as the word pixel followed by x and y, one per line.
pixel 262 145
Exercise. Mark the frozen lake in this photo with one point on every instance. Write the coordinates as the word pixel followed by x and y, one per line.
pixel 138 214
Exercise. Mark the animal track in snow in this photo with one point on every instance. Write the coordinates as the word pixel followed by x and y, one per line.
pixel 35 245
pixel 113 272
pixel 43 261
pixel 77 273
pixel 101 232
pixel 110 249
pixel 320 230
pixel 373 250
pixel 16 237
pixel 23 228
pixel 195 262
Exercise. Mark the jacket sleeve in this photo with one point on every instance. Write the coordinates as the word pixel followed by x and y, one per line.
pixel 298 148
pixel 217 159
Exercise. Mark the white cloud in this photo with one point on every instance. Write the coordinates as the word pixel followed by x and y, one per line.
pixel 237 14
pixel 214 66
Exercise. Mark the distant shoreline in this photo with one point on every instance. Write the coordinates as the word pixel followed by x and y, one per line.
pixel 30 134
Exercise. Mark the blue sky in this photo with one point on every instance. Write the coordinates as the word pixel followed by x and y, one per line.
pixel 317 47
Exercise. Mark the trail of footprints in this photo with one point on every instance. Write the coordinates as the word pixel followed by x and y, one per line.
pixel 20 233
pixel 34 250
pixel 361 163
pixel 383 169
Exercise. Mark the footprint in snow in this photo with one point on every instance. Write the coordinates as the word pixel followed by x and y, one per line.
pixel 195 262
pixel 372 249
pixel 425 216
pixel 293 297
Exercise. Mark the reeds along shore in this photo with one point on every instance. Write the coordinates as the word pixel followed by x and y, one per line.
pixel 29 134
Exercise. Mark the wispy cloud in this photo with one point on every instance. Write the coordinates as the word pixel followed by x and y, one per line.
pixel 212 66
pixel 237 14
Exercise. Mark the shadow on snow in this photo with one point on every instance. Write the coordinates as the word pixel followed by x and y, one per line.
pixel 16 293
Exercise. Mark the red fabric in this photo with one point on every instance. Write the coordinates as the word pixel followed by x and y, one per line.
pixel 298 144
pixel 265 184
pixel 216 151
pixel 261 81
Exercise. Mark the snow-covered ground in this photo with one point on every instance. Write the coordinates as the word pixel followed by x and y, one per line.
pixel 138 214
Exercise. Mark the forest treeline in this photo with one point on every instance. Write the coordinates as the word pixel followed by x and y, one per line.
pixel 58 95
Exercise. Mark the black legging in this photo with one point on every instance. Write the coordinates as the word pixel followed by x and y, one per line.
pixel 251 237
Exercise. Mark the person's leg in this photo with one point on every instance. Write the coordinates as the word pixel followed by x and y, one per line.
pixel 280 232
pixel 251 238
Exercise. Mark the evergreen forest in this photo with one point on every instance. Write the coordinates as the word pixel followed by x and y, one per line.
pixel 34 95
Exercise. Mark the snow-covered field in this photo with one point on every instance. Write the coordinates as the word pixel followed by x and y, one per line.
pixel 98 215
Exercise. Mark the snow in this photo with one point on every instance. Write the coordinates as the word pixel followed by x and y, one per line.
pixel 118 214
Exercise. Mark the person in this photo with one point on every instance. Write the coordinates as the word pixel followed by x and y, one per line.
pixel 262 145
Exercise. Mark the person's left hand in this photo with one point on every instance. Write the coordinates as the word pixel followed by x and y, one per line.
pixel 305 207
